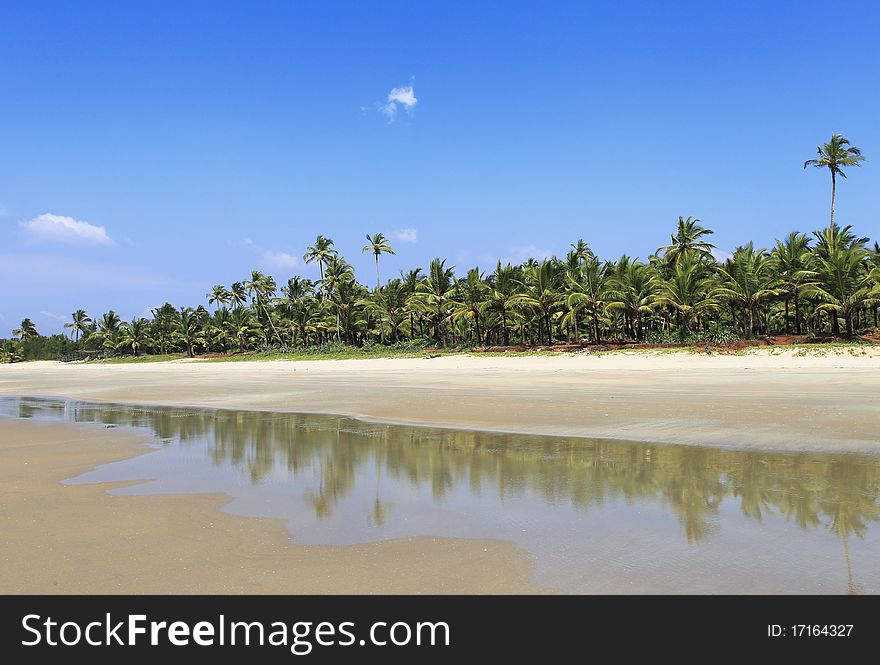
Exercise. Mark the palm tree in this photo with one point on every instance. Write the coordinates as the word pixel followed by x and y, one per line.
pixel 845 285
pixel 745 277
pixel 322 251
pixel 389 304
pixel 632 292
pixel 27 330
pixel 688 290
pixel 790 261
pixel 503 285
pixel 835 155
pixel 79 324
pixel 471 294
pixel 237 294
pixel 243 328
pixel 540 290
pixel 219 295
pixel 433 295
pixel 687 241
pixel 135 335
pixel 377 244
pixel 189 328
pixel 261 288
pixel 587 291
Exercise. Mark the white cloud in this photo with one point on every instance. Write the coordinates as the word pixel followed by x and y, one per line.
pixel 404 97
pixel 407 235
pixel 58 228
pixel 58 317
pixel 521 254
pixel 279 260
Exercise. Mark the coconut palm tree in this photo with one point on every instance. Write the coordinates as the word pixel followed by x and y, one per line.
pixel 746 280
pixel 588 291
pixel 27 330
pixel 539 289
pixel 322 251
pixel 79 324
pixel 433 295
pixel 261 289
pixel 388 303
pixel 219 295
pixel 835 155
pixel 470 300
pixel 503 285
pixel 135 335
pixel 687 240
pixel 189 328
pixel 844 285
pixel 631 291
pixel 689 290
pixel 237 295
pixel 790 261
pixel 377 245
pixel 243 328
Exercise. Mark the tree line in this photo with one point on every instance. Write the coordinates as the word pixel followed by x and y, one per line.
pixel 826 283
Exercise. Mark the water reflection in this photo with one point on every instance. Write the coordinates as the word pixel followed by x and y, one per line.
pixel 325 464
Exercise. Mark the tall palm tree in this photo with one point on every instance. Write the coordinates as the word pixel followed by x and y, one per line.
pixel 433 295
pixel 687 240
pixel 322 251
pixel 27 330
pixel 237 294
pixel 377 244
pixel 262 288
pixel 79 324
pixel 219 295
pixel 835 155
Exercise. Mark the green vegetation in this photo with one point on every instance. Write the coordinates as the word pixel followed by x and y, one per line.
pixel 825 285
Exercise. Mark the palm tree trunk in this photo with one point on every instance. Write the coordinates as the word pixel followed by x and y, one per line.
pixel 787 322
pixel 377 272
pixel 797 315
pixel 833 192
pixel 477 325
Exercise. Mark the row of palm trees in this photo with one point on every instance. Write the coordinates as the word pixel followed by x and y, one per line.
pixel 803 284
pixel 825 284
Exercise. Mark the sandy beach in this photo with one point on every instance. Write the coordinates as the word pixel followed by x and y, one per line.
pixel 79 539
pixel 823 399
pixel 185 544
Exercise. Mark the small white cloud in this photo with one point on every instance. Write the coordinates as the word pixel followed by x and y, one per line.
pixel 51 315
pixel 407 235
pixel 58 228
pixel 279 260
pixel 522 254
pixel 399 97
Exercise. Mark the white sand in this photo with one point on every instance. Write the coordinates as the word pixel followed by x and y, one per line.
pixel 789 399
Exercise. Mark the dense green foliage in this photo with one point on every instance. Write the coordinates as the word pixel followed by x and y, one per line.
pixel 826 283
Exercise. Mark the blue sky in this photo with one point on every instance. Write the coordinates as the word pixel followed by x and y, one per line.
pixel 210 138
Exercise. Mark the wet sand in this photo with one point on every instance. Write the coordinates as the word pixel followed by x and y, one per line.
pixel 79 539
pixel 775 399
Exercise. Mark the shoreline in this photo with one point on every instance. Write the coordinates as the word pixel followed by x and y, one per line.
pixel 780 401
pixel 186 543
